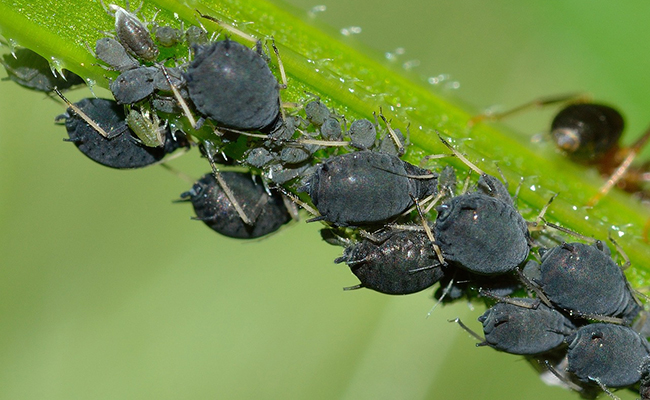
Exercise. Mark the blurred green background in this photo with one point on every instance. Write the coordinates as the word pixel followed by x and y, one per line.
pixel 110 291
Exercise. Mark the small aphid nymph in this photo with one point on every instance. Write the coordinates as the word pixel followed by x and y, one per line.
pixel 146 126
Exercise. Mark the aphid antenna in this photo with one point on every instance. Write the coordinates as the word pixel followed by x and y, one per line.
pixel 539 222
pixel 179 98
pixel 467 182
pixel 85 117
pixel 604 388
pixel 424 159
pixel 283 73
pixel 515 197
pixel 296 199
pixel 562 378
pixel 460 156
pixel 619 249
pixel 622 169
pixel 536 103
pixel 468 330
pixel 230 28
pixel 428 231
pixel 515 301
pixel 391 132
pixel 503 177
pixel 569 231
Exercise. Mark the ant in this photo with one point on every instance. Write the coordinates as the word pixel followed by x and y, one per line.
pixel 589 133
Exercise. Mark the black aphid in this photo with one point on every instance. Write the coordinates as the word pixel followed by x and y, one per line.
pixel 212 206
pixel 363 134
pixel 316 112
pixel 608 354
pixel 168 36
pixel 233 85
pixel 585 279
pixel 133 35
pixel 533 328
pixel 114 54
pixel 121 149
pixel 482 231
pixel 32 71
pixel 365 188
pixel 134 85
pixel 398 262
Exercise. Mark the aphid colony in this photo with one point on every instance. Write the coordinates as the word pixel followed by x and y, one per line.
pixel 372 202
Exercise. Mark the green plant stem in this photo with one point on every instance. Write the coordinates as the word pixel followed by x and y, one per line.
pixel 355 85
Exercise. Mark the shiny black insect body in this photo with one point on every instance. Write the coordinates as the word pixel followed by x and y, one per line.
pixel 527 330
pixel 608 354
pixel 587 132
pixel 121 149
pixel 267 212
pixel 366 188
pixel 584 279
pixel 482 231
pixel 233 85
pixel 396 262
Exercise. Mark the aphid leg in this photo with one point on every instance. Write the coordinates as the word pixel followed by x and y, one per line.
pixel 445 291
pixel 400 146
pixel 226 189
pixel 530 285
pixel 301 203
pixel 537 103
pixel 468 330
pixel 229 28
pixel 562 378
pixel 620 172
pixel 85 117
pixel 604 388
pixel 179 98
pixel 427 229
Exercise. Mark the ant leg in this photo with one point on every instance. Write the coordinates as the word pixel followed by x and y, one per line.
pixel 620 172
pixel 537 103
